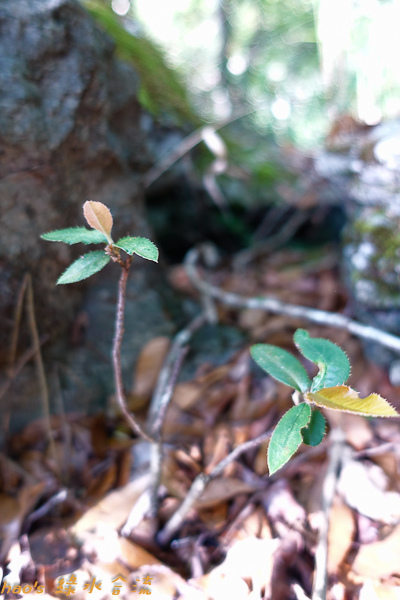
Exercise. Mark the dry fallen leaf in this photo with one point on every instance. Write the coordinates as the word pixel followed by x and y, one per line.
pixel 114 509
pixel 363 487
pixel 379 560
pixel 148 366
pixel 342 529
pixel 219 490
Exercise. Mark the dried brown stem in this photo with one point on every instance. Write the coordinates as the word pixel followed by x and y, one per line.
pixel 272 305
pixel 30 308
pixel 116 354
pixel 161 399
pixel 335 454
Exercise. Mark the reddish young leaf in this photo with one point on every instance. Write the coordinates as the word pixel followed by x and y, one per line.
pixel 99 217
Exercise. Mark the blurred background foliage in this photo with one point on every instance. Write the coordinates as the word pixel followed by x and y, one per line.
pixel 261 83
pixel 295 65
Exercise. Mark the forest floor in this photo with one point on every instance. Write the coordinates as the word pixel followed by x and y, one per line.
pixel 77 515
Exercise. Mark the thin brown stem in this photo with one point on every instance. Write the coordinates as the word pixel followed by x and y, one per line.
pixel 30 308
pixel 116 354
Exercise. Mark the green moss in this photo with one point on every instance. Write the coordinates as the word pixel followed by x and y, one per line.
pixel 161 91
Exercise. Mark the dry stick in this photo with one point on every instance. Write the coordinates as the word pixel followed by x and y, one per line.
pixel 17 322
pixel 272 305
pixel 30 307
pixel 161 399
pixel 116 353
pixel 184 147
pixel 335 454
pixel 19 365
pixel 288 230
pixel 199 485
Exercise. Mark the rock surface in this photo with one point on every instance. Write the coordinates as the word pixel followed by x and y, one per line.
pixel 70 130
pixel 363 167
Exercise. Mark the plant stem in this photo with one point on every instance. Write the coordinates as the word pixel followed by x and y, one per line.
pixel 116 353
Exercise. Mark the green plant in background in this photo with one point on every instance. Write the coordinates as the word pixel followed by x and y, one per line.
pixel 303 422
pixel 100 219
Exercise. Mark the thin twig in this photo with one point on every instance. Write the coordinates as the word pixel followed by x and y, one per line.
pixel 199 485
pixel 17 322
pixel 45 508
pixel 272 305
pixel 287 231
pixel 335 454
pixel 161 399
pixel 30 308
pixel 187 144
pixel 19 365
pixel 116 354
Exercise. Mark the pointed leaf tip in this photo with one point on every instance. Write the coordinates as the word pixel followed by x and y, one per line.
pixel 140 246
pixel 287 437
pixel 344 398
pixel 332 361
pixel 99 217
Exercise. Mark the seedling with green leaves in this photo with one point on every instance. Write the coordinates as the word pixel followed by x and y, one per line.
pixel 303 422
pixel 100 219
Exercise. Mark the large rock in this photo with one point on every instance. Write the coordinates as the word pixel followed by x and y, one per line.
pixel 362 167
pixel 70 130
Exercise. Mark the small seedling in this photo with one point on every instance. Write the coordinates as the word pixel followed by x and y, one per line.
pixel 100 219
pixel 303 422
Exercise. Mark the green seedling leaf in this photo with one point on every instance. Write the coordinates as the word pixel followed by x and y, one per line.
pixel 333 364
pixel 99 217
pixel 281 365
pixel 315 430
pixel 139 245
pixel 75 235
pixel 344 398
pixel 84 267
pixel 287 436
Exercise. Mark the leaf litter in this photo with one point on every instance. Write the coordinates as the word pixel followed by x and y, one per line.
pixel 82 507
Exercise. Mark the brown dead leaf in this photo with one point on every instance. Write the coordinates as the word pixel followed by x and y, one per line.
pixel 114 509
pixel 341 534
pixel 187 394
pixel 135 556
pixel 217 446
pixel 148 366
pixel 358 430
pixel 101 484
pixel 363 487
pixel 219 490
pixel 374 590
pixel 379 560
pixel 215 516
pixel 250 559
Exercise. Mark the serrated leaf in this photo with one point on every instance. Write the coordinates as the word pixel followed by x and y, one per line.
pixel 344 398
pixel 314 432
pixel 99 217
pixel 84 267
pixel 139 245
pixel 75 235
pixel 281 365
pixel 333 364
pixel 287 436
